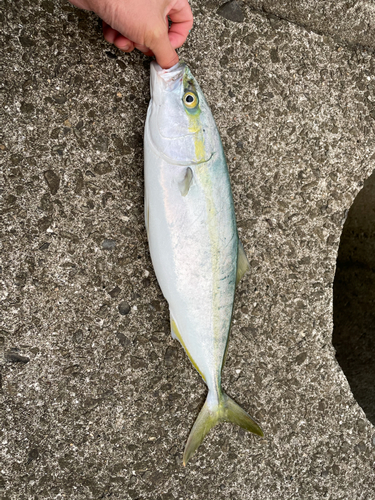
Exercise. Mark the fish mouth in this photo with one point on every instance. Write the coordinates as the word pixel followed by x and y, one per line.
pixel 169 75
pixel 165 80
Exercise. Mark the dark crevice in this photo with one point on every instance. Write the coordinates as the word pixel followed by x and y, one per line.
pixel 354 299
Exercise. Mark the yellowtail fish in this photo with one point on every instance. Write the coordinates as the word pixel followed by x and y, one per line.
pixel 192 234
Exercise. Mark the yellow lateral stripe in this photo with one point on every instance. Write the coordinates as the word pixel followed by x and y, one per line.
pixel 195 128
pixel 204 177
pixel 178 335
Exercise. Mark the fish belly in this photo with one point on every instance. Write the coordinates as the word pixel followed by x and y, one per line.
pixel 193 244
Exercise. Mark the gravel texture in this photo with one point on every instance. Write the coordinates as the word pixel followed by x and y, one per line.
pixel 97 400
pixel 352 21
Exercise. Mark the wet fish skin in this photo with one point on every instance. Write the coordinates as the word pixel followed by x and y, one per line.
pixel 192 234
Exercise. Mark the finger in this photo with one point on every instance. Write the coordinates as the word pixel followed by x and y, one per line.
pixel 120 41
pixel 144 49
pixel 123 43
pixel 81 4
pixel 160 45
pixel 182 22
pixel 109 33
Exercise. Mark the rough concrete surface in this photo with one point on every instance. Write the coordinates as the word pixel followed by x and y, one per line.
pixel 352 21
pixel 97 400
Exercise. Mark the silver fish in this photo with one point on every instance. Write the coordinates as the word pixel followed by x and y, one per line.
pixel 192 234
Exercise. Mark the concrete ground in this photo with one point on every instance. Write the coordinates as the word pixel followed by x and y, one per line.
pixel 97 400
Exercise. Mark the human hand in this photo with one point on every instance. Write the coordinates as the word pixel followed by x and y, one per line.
pixel 143 24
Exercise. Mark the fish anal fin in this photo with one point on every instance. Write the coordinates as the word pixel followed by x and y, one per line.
pixel 147 213
pixel 147 218
pixel 226 410
pixel 174 330
pixel 242 263
pixel 185 184
pixel 176 335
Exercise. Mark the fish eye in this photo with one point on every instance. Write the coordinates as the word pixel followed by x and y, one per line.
pixel 190 100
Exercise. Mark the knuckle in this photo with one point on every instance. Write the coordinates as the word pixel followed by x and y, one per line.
pixel 158 34
pixel 191 21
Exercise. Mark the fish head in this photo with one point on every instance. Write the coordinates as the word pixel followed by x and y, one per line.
pixel 180 124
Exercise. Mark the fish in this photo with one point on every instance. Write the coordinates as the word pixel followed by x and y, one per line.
pixel 192 235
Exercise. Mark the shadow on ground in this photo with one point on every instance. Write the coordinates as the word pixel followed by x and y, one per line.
pixel 354 299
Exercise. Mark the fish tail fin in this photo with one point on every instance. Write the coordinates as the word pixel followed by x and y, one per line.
pixel 225 410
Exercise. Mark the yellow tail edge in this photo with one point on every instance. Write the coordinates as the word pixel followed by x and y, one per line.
pixel 226 410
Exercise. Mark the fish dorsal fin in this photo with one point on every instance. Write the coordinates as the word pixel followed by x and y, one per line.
pixel 185 184
pixel 242 263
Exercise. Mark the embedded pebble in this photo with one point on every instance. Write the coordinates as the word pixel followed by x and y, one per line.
pixel 109 244
pixel 124 308
pixel 232 11
pixel 52 180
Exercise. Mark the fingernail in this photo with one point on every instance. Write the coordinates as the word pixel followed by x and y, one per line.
pixel 126 47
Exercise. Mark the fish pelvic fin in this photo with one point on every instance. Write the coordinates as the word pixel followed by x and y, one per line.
pixel 226 410
pixel 242 263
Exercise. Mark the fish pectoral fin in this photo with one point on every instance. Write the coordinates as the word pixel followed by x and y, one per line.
pixel 185 184
pixel 242 263
pixel 226 410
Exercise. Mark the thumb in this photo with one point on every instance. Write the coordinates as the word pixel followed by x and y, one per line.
pixel 165 54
